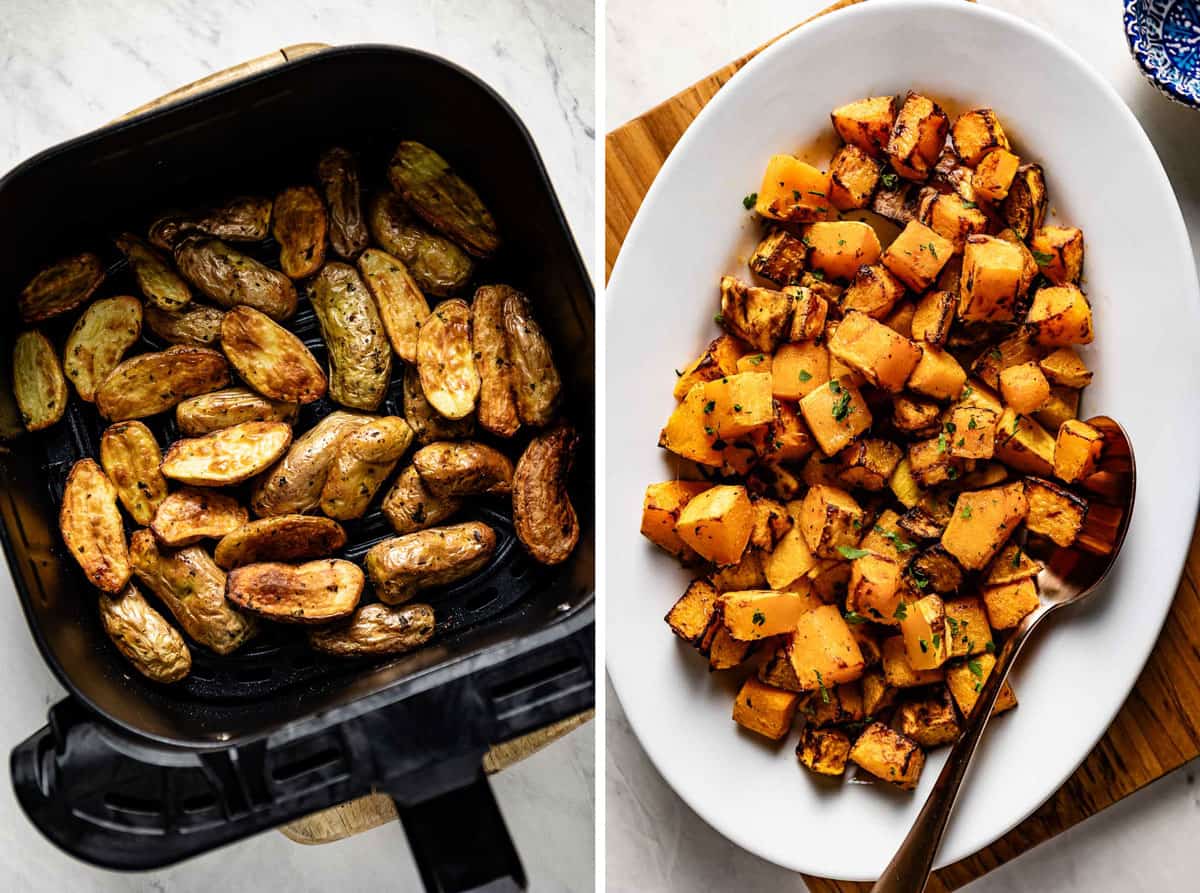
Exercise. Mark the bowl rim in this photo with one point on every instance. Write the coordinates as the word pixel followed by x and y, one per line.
pixel 1169 88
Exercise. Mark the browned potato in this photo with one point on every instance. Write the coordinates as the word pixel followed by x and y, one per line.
pixel 196 324
pixel 427 423
pixel 243 219
pixel 463 469
pixel 293 486
pixel 410 506
pixel 228 456
pixel 363 461
pixel 299 227
pixel 151 383
pixel 61 287
pixel 497 403
pixel 314 592
pixel 402 566
pixel 445 201
pixel 192 587
pixel 162 287
pixel 190 515
pixel 284 538
pixel 445 360
pixel 38 382
pixel 360 359
pixel 402 307
pixel 536 382
pixel 543 516
pixel 376 630
pixel 144 637
pixel 271 359
pixel 98 341
pixel 437 264
pixel 130 456
pixel 338 172
pixel 228 407
pixel 91 527
pixel 11 424
pixel 230 278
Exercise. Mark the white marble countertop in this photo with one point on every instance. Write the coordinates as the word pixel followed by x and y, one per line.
pixel 654 841
pixel 70 66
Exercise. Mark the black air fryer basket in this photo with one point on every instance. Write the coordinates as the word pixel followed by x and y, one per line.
pixel 134 775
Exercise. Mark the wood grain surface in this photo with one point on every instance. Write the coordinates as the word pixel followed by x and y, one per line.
pixel 1158 728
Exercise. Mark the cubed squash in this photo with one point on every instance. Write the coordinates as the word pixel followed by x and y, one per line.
pixel 1024 208
pixel 889 756
pixel 830 520
pixel 899 673
pixel 924 631
pixel 882 357
pixel 836 413
pixel 1024 387
pixel 791 558
pixel 875 589
pixel 1023 444
pixel 868 463
pixel 736 404
pixel 868 638
pixel 955 219
pixel 931 722
pixel 746 574
pixel 1012 564
pixel 771 522
pixel 1054 512
pixel 837 705
pixel 690 433
pixel 917 137
pixel 754 362
pixel 777 671
pixel 914 416
pixel 725 652
pixel 1065 367
pixel 823 751
pixel 887 538
pixel 809 312
pixel 994 277
pixel 965 681
pixel 994 174
pixel 905 487
pixel 1009 603
pixel 838 248
pixel 967 626
pixel 853 176
pixel 1063 406
pixel 661 507
pixel 975 133
pixel 1076 451
pixel 866 123
pixel 937 374
pixel 720 358
pixel 755 614
pixel 934 568
pixel 793 440
pixel 901 318
pixel 830 580
pixel 933 317
pixel 793 191
pixel 823 651
pixel 759 316
pixel 971 432
pixel 931 462
pixel 1060 315
pixel 917 255
pixel 875 290
pixel 1011 351
pixel 779 258
pixel 717 523
pixel 798 368
pixel 1058 251
pixel 691 616
pixel 982 522
pixel 765 710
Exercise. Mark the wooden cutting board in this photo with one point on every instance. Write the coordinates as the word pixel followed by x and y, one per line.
pixel 1157 730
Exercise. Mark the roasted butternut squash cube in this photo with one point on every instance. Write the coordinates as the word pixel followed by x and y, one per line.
pixel 994 277
pixel 875 590
pixel 779 258
pixel 868 463
pixel 737 404
pixel 754 362
pixel 1065 367
pixel 853 176
pixel 793 440
pixel 1024 387
pixel 898 672
pixel 1012 564
pixel 755 614
pixel 921 525
pixel 971 432
pixel 982 522
pixel 1012 351
pixel 868 640
pixel 914 416
pixel 935 568
pixel 830 518
pixel 777 672
pixel 1058 251
pixel 931 463
pixel 994 174
pixel 766 710
pixel 924 632
pixel 917 255
pixel 1023 444
pixel 967 626
pixel 965 681
pixel 933 317
pixel 887 538
pixel 1024 208
pixel 875 291
pixel 823 751
pixel 691 617
pixel 838 248
pixel 799 368
pixel 905 487
pixel 837 705
pixel 901 318
pixel 954 219
pixel 771 522
pixel 975 133
pixel 889 756
pixel 882 357
pixel 660 513
pixel 830 580
pixel 823 651
pixel 809 313
pixel 719 359
pixel 717 523
pixel 689 432
pixel 866 123
pixel 1060 315
pixel 931 722
pixel 793 191
pixel 1054 512
pixel 1076 451
pixel 1062 406
pixel 937 374
pixel 836 413
pixel 759 316
pixel 877 693
pixel 791 558
pixel 725 652
pixel 746 574
pixel 1009 603
pixel 917 137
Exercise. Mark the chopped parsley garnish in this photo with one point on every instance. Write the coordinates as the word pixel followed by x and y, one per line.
pixel 967 392
pixel 754 361
pixel 710 406
pixel 932 250
pixel 995 354
pixel 824 690
pixel 966 513
pixel 951 427
pixel 888 181
pixel 719 319
pixel 901 612
pixel 758 619
pixel 841 407
pixel 941 443
pixel 897 543
pixel 795 195
pixel 853 617
pixel 815 192
pixel 970 205
pixel 962 441
pixel 805 375
pixel 920 579
pixel 737 407
pixel 678 374
pixel 749 200
pixel 835 386
pixel 953 622
pixel 924 646
pixel 841 242
pixel 850 553
pixel 1041 258
pixel 710 430
pixel 937 640
pixel 1016 559
pixel 972 425
pixel 818 275
pixel 990 647
pixel 975 668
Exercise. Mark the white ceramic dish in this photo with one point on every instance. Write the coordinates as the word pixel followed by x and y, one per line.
pixel 1103 175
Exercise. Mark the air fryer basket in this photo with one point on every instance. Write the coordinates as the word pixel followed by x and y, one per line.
pixel 130 774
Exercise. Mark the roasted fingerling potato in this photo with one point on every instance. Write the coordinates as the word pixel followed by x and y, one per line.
pixel 246 218
pixel 376 630
pixel 228 456
pixel 228 407
pixel 294 484
pixel 402 566
pixel 497 402
pixel 543 516
pixel 144 637
pixel 536 382
pixel 410 506
pixel 60 287
pixel 131 458
pixel 161 286
pixel 437 264
pixel 271 359
pixel 445 360
pixel 91 527
pixel 299 225
pixel 442 198
pixel 150 383
pixel 98 342
pixel 228 277
pixel 402 307
pixel 464 468
pixel 314 592
pixel 197 325
pixel 280 538
pixel 39 385
pixel 360 356
pixel 190 515
pixel 337 169
pixel 365 458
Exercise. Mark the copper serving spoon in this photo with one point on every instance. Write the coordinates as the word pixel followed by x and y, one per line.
pixel 1069 576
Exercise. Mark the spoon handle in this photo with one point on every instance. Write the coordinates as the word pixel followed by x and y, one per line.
pixel 909 869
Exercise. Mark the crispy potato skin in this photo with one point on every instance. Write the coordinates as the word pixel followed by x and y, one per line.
pixel 271 359
pixel 536 382
pixel 445 360
pixel 314 592
pixel 197 325
pixel 38 383
pixel 299 226
pixel 98 341
pixel 338 172
pixel 409 506
pixel 243 219
pixel 151 383
pixel 227 407
pixel 294 485
pixel 437 264
pixel 162 287
pixel 11 425
pixel 463 469
pixel 376 630
pixel 130 456
pixel 543 515
pixel 497 404
pixel 228 456
pixel 60 287
pixel 427 423
pixel 192 587
pixel 365 458
pixel 282 538
pixel 402 306
pixel 360 357
pixel 144 637
pixel 442 198
pixel 228 277
pixel 91 527
pixel 190 515
pixel 402 566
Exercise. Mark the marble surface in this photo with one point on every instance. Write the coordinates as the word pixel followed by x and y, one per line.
pixel 67 67
pixel 654 841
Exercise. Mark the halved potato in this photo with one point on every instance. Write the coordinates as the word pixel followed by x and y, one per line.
pixel 131 457
pixel 410 506
pixel 365 458
pixel 98 341
pixel 402 306
pixel 360 357
pixel 163 288
pixel 427 423
pixel 38 383
pixel 271 359
pixel 229 278
pixel 151 383
pixel 246 218
pixel 376 630
pixel 337 170
pixel 543 516
pixel 437 264
pixel 282 538
pixel 402 566
pixel 536 382
pixel 190 515
pixel 497 402
pixel 299 227
pixel 313 592
pixel 91 527
pixel 294 485
pixel 144 637
pixel 442 198
pixel 445 360
pixel 228 456
pixel 227 407
pixel 198 325
pixel 463 469
pixel 60 287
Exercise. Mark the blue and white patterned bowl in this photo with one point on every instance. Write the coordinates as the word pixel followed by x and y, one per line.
pixel 1164 37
